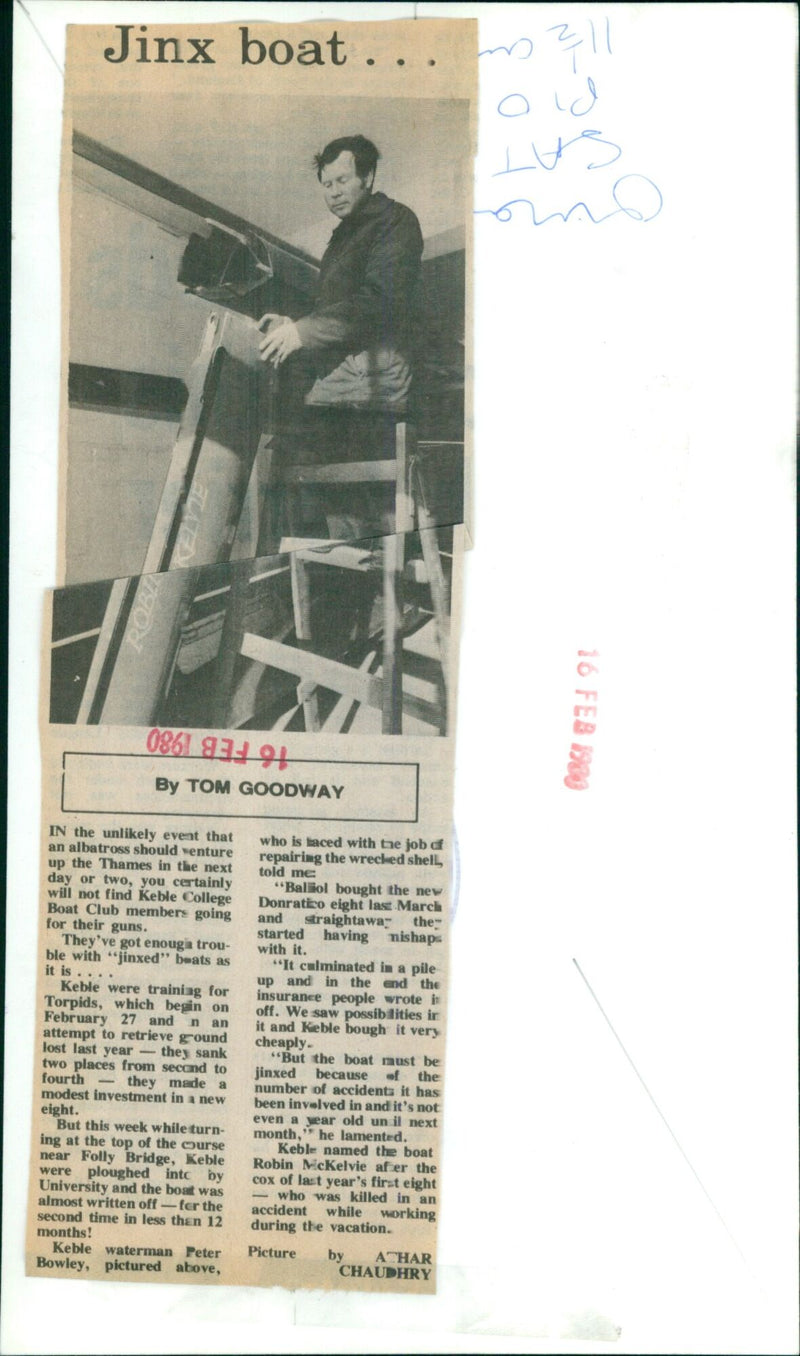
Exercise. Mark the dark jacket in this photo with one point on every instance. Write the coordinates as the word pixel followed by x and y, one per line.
pixel 367 281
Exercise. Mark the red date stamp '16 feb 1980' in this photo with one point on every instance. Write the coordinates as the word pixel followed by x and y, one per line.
pixel 178 744
pixel 580 755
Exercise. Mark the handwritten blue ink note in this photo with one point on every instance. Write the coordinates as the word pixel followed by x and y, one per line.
pixel 550 149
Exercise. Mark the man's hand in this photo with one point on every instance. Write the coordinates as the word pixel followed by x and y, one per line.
pixel 281 339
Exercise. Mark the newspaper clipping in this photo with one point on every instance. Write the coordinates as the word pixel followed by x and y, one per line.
pixel 251 655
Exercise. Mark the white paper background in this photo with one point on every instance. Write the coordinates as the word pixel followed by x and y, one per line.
pixel 634 416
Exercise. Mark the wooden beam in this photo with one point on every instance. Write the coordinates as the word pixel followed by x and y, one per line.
pixel 315 668
pixel 340 473
pixel 339 555
pixel 334 723
pixel 232 628
pixel 109 632
pixel 405 446
pixel 392 656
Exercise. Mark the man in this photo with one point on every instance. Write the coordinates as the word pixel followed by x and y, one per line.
pixel 358 335
pixel 354 350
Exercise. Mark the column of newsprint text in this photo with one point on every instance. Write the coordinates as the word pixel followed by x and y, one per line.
pixel 239 1058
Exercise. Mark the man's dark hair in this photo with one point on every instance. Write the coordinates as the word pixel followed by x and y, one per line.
pixel 365 154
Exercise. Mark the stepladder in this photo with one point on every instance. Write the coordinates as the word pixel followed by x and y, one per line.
pixel 389 557
pixel 222 467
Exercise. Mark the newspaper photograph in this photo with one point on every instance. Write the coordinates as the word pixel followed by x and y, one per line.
pixel 361 627
pixel 252 302
pixel 248 854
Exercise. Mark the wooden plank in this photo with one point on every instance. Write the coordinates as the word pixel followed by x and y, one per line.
pixel 438 585
pixel 342 557
pixel 340 473
pixel 392 703
pixel 315 668
pixel 405 446
pixel 416 572
pixel 301 597
pixel 74 640
pixel 421 709
pixel 232 629
pixel 267 527
pixel 307 696
pixel 111 620
pixel 287 544
pixel 335 721
pixel 282 723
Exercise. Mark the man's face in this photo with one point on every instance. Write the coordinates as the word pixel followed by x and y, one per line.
pixel 344 191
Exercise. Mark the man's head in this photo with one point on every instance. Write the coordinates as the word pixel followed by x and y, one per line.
pixel 346 171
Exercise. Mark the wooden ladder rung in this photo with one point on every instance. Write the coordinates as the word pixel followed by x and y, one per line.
pixel 340 473
pixel 416 571
pixel 342 557
pixel 421 709
pixel 335 721
pixel 316 669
